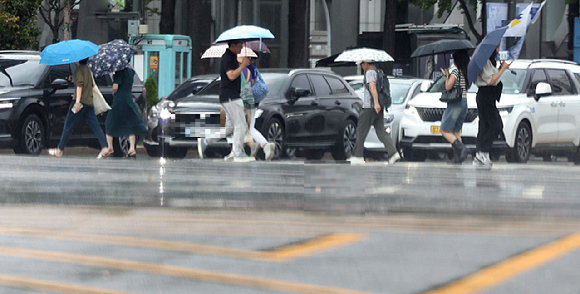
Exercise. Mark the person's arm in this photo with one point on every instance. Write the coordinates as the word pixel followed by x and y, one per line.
pixel 503 67
pixel 78 104
pixel 375 95
pixel 235 73
pixel 449 80
pixel 115 88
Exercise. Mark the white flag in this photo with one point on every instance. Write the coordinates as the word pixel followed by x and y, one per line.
pixel 519 25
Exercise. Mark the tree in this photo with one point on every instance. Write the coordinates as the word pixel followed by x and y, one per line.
pixel 167 21
pixel 55 14
pixel 298 34
pixel 18 28
pixel 447 6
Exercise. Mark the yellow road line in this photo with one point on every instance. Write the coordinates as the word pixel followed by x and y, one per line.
pixel 43 285
pixel 507 269
pixel 175 271
pixel 310 247
pixel 323 243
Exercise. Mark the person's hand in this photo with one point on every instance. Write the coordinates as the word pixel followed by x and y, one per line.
pixel 77 107
pixel 377 108
pixel 70 79
pixel 504 65
pixel 446 71
pixel 245 61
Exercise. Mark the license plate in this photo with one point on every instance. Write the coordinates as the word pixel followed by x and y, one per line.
pixel 435 129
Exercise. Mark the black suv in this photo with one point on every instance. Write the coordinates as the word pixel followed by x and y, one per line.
pixel 313 110
pixel 34 101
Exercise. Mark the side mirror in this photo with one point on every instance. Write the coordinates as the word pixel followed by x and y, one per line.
pixel 296 93
pixel 59 84
pixel 542 89
pixel 425 86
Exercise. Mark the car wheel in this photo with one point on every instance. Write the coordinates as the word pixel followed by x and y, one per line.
pixel 276 134
pixel 522 146
pixel 152 150
pixel 31 136
pixel 345 147
pixel 414 155
pixel 314 154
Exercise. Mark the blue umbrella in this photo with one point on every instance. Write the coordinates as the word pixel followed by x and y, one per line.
pixel 68 52
pixel 246 32
pixel 483 52
pixel 112 57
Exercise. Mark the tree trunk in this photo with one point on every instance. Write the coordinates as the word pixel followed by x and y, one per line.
pixel 194 25
pixel 66 22
pixel 389 33
pixel 298 27
pixel 167 21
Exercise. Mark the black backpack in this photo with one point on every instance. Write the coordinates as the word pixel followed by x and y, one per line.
pixel 383 89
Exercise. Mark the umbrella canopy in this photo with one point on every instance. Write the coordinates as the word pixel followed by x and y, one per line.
pixel 483 52
pixel 246 32
pixel 442 46
pixel 112 57
pixel 68 52
pixel 217 51
pixel 364 54
pixel 258 46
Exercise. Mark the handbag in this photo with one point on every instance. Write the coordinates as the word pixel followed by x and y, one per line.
pixel 453 95
pixel 259 88
pixel 99 102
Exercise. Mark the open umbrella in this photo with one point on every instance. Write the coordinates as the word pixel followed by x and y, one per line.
pixel 68 52
pixel 112 56
pixel 216 51
pixel 442 46
pixel 364 54
pixel 258 46
pixel 483 52
pixel 245 32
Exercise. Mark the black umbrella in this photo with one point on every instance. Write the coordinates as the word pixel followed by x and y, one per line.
pixel 329 62
pixel 442 46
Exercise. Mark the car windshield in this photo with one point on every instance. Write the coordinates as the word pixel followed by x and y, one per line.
pixel 26 73
pixel 512 80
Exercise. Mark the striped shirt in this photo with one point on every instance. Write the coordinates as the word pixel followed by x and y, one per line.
pixel 460 81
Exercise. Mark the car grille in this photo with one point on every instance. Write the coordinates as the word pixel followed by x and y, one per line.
pixel 435 114
pixel 184 125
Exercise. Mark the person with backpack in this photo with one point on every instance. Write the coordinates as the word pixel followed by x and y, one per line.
pixel 455 113
pixel 377 98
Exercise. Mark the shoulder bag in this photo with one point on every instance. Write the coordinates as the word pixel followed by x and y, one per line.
pixel 99 102
pixel 259 88
pixel 454 95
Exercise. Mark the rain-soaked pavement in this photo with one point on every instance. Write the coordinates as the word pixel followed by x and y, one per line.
pixel 80 225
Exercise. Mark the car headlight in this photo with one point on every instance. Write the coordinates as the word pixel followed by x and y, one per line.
pixel 258 113
pixel 505 110
pixel 7 103
pixel 411 110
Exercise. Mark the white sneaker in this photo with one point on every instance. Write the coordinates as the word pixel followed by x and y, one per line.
pixel 230 157
pixel 243 158
pixel 396 157
pixel 201 147
pixel 482 159
pixel 356 160
pixel 269 151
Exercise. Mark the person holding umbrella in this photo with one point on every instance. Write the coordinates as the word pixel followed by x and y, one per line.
pixel 82 104
pixel 490 123
pixel 454 115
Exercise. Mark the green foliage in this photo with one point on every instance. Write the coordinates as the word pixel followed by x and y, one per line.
pixel 120 4
pixel 152 11
pixel 18 24
pixel 443 5
pixel 151 89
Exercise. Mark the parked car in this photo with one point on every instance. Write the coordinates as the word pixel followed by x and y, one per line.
pixel 34 102
pixel 539 106
pixel 314 110
pixel 403 89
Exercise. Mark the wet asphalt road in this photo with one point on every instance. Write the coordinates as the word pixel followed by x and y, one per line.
pixel 80 225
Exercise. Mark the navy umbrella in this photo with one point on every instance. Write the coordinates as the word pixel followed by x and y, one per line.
pixel 483 52
pixel 442 46
pixel 112 57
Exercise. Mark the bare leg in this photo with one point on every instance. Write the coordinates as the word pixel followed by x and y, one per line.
pixel 132 144
pixel 450 137
pixel 110 142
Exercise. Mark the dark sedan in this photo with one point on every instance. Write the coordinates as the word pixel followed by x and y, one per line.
pixel 34 102
pixel 314 110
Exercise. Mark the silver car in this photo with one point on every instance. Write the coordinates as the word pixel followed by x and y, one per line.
pixel 403 89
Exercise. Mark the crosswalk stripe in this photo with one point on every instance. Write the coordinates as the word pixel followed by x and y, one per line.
pixel 43 285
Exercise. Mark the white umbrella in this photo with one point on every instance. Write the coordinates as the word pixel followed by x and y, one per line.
pixel 364 54
pixel 217 51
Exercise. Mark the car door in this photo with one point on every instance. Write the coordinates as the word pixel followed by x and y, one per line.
pixel 568 106
pixel 58 101
pixel 301 114
pixel 330 118
pixel 544 112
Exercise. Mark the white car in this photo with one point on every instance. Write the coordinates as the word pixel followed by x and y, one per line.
pixel 539 106
pixel 403 89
